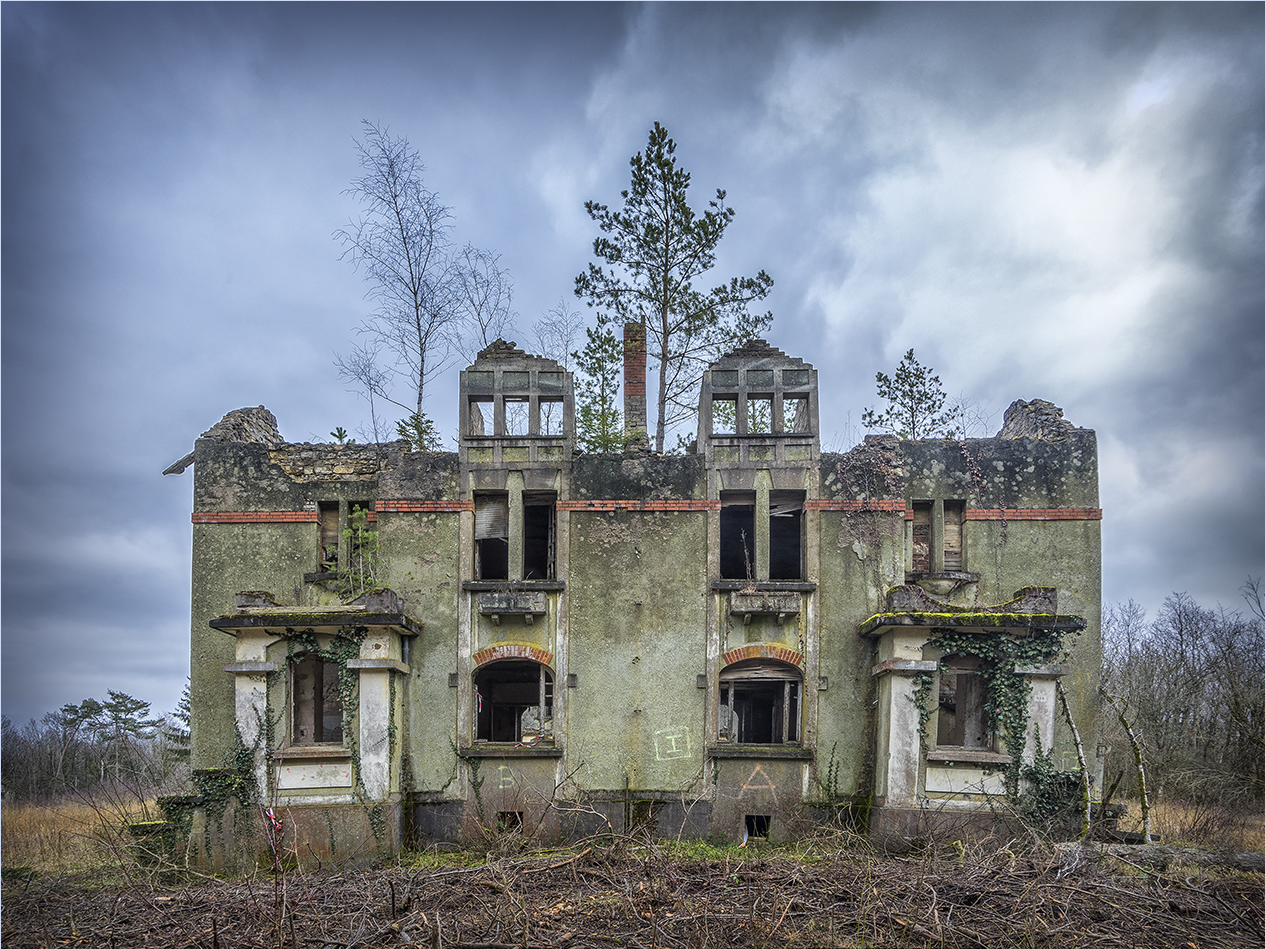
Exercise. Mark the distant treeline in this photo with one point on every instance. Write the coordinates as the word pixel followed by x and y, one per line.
pixel 84 746
pixel 1191 685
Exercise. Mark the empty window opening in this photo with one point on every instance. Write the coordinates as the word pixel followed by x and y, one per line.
pixel 480 417
pixel 954 535
pixel 759 702
pixel 551 417
pixel 786 520
pixel 738 535
pixel 328 555
pixel 962 718
pixel 538 536
pixel 760 415
pixel 757 826
pixel 509 698
pixel 921 544
pixel 316 706
pixel 725 415
pixel 795 413
pixel 516 416
pixel 492 537
pixel 509 821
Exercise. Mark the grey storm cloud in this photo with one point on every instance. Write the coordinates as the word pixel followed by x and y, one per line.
pixel 1045 200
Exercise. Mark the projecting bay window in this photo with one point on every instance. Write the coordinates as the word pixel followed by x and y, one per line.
pixel 514 702
pixel 759 702
pixel 316 705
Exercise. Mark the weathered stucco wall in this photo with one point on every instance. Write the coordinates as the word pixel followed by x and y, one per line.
pixel 636 624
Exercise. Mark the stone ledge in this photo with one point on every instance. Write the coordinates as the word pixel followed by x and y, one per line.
pixel 745 751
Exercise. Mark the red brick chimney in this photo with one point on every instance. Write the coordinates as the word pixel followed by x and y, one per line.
pixel 635 386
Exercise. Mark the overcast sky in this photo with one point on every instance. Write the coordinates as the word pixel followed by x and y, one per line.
pixel 1046 201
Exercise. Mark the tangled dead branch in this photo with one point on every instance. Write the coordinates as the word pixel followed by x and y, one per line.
pixel 662 896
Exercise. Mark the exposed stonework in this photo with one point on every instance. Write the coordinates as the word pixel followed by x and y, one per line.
pixel 249 424
pixel 1037 419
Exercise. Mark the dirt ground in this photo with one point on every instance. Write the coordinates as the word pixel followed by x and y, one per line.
pixel 647 895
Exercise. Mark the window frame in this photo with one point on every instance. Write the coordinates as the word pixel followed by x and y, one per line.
pixel 760 676
pixel 484 729
pixel 298 706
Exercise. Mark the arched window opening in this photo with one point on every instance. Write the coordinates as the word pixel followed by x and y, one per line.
pixel 510 696
pixel 759 702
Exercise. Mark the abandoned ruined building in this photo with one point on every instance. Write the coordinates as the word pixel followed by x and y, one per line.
pixel 392 646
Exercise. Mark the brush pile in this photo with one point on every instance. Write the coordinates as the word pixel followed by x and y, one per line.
pixel 828 893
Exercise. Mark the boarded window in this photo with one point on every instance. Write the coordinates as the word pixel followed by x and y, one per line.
pixel 328 555
pixel 492 537
pixel 509 698
pixel 962 719
pixel 738 535
pixel 538 536
pixel 759 702
pixel 786 520
pixel 921 546
pixel 954 535
pixel 316 707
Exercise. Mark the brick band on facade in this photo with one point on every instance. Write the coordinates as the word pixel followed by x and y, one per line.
pixel 255 517
pixel 409 505
pixel 767 651
pixel 512 651
pixel 1034 514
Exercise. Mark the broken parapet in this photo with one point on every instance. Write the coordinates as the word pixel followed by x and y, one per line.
pixel 1037 419
pixel 250 424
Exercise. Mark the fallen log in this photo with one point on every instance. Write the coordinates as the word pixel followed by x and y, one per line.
pixel 1155 854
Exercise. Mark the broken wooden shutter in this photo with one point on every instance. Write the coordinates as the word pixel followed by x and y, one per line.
pixel 954 535
pixel 492 517
pixel 921 548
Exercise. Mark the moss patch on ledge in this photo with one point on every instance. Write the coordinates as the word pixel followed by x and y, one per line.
pixel 993 621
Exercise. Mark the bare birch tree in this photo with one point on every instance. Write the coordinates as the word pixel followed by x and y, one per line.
pixel 401 244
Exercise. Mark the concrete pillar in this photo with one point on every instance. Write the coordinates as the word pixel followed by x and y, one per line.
pixel 375 745
pixel 514 485
pixel 763 485
pixel 938 536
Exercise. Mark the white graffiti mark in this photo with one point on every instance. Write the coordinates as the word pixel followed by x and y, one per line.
pixel 507 776
pixel 672 744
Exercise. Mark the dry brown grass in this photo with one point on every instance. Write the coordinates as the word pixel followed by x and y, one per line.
pixel 62 836
pixel 1214 827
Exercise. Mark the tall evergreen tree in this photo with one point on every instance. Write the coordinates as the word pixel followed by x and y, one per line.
pixel 598 424
pixel 652 251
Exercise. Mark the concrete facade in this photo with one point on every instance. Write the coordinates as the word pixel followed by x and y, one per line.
pixel 731 642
